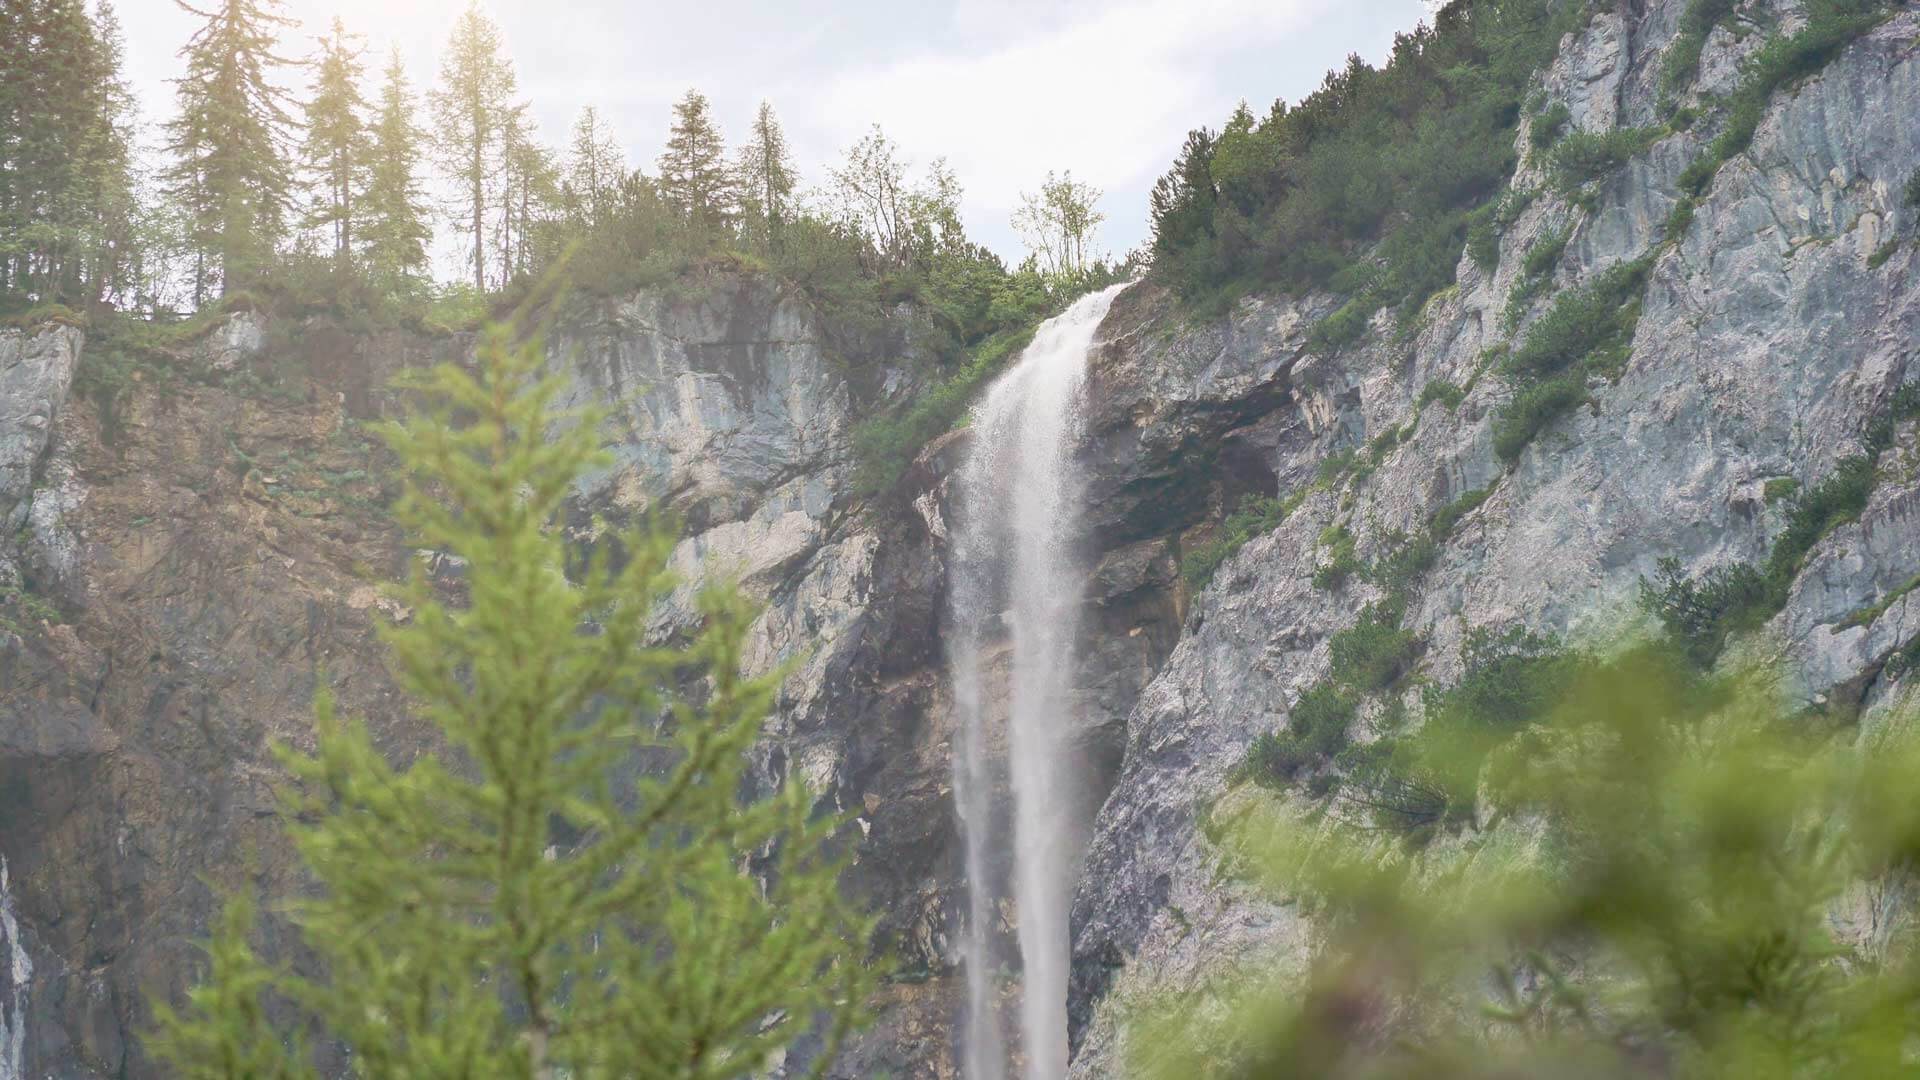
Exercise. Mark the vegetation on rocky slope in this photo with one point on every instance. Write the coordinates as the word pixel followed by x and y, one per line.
pixel 1669 868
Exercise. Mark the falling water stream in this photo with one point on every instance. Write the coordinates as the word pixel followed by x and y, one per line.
pixel 13 987
pixel 1014 577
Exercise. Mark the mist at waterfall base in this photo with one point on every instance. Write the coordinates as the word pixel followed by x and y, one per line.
pixel 1014 580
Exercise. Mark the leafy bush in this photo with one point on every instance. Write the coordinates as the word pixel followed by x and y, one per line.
pixel 1666 909
pixel 1587 331
pixel 1485 224
pixel 1545 254
pixel 1536 273
pixel 1406 560
pixel 1533 409
pixel 885 446
pixel 1509 680
pixel 1342 562
pixel 1442 391
pixel 1778 488
pixel 1679 218
pixel 1375 651
pixel 1254 517
pixel 1378 169
pixel 1682 61
pixel 1449 516
pixel 1585 156
pixel 1545 129
pixel 1316 731
pixel 1831 26
pixel 1700 616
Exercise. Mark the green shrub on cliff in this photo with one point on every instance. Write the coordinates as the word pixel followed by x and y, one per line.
pixel 1662 883
pixel 580 887
pixel 1364 187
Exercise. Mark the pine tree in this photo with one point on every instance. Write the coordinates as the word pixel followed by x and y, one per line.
pixel 471 109
pixel 337 146
pixel 536 911
pixel 766 179
pixel 694 177
pixel 230 139
pixel 595 166
pixel 393 229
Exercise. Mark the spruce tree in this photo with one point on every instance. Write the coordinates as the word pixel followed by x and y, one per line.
pixel 64 163
pixel 581 889
pixel 766 179
pixel 394 232
pixel 111 162
pixel 472 107
pixel 694 178
pixel 229 141
pixel 337 145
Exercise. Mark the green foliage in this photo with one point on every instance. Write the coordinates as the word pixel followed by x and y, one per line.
pixel 1546 129
pixel 1654 881
pixel 885 446
pixel 1485 224
pixel 22 609
pixel 1365 187
pixel 1341 560
pixel 1883 253
pixel 66 177
pixel 337 145
pixel 1404 561
pixel 1778 488
pixel 1316 731
pixel 1587 332
pixel 1700 616
pixel 1545 254
pixel 471 110
pixel 1585 156
pixel 696 181
pixel 1911 195
pixel 1442 391
pixel 1831 26
pixel 1536 273
pixel 581 887
pixel 1535 407
pixel 1678 219
pixel 1254 517
pixel 230 169
pixel 393 229
pixel 1375 651
pixel 1682 61
pixel 1870 614
pixel 1449 516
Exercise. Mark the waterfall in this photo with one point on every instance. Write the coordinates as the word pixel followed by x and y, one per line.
pixel 1013 573
pixel 13 987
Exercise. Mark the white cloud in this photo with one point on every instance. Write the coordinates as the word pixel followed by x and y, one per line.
pixel 1108 93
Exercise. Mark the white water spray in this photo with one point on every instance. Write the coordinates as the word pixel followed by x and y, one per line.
pixel 13 1004
pixel 1014 569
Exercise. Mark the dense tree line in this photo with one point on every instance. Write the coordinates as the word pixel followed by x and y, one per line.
pixel 307 180
pixel 1366 187
pixel 65 166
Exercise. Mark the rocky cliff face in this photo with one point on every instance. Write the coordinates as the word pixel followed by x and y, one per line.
pixel 1772 333
pixel 199 543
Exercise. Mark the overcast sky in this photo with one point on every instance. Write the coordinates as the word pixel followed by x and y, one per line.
pixel 1004 89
